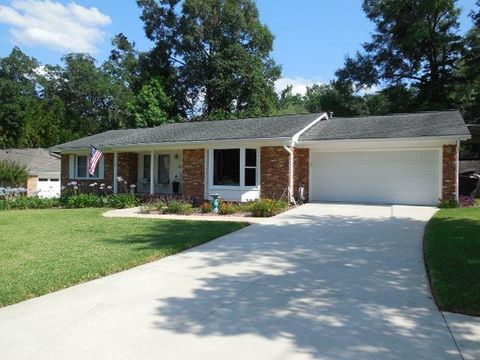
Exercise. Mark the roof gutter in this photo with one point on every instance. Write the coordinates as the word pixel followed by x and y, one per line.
pixel 113 147
pixel 453 138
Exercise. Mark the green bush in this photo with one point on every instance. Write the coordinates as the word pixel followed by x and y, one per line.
pixel 34 202
pixel 178 207
pixel 267 207
pixel 84 201
pixel 13 174
pixel 122 201
pixel 206 207
pixel 227 208
pixel 448 204
pixel 146 209
pixel 4 205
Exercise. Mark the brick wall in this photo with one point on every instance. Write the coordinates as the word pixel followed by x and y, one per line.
pixel 449 171
pixel 301 170
pixel 194 173
pixel 274 162
pixel 127 168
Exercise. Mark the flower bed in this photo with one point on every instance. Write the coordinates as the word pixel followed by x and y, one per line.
pixel 257 208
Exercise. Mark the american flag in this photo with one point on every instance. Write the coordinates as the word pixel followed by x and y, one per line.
pixel 95 155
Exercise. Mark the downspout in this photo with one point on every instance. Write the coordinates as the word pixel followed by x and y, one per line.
pixel 290 175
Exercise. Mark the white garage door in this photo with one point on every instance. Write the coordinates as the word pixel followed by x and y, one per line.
pixel 48 187
pixel 389 177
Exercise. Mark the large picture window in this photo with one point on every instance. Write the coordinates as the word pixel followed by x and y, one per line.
pixel 226 167
pixel 235 167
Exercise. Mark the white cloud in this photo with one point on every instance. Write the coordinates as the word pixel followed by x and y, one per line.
pixel 60 27
pixel 299 85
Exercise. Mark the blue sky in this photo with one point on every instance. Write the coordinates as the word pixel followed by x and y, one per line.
pixel 312 37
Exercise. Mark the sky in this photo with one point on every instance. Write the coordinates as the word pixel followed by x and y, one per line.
pixel 312 37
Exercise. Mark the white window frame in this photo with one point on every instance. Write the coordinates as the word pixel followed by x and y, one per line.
pixel 242 169
pixel 101 169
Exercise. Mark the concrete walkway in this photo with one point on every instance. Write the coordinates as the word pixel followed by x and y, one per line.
pixel 322 281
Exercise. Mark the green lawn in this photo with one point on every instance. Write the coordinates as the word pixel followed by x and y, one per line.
pixel 46 250
pixel 452 253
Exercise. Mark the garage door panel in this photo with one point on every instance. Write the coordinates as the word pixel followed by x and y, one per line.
pixel 400 177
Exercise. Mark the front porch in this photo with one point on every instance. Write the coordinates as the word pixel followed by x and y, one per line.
pixel 159 172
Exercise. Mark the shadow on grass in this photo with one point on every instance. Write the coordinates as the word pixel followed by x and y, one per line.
pixel 333 287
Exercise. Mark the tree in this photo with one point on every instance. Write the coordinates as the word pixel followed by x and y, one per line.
pixel 17 92
pixel 416 43
pixel 151 105
pixel 217 51
pixel 334 97
pixel 290 103
pixel 468 90
pixel 123 72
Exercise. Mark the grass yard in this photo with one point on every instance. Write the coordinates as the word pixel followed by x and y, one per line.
pixel 46 250
pixel 452 253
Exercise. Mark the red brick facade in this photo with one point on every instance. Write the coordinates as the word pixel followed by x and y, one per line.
pixel 127 168
pixel 274 163
pixel 301 170
pixel 449 185
pixel 194 173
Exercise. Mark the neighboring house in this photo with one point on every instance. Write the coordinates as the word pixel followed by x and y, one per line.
pixel 43 169
pixel 400 159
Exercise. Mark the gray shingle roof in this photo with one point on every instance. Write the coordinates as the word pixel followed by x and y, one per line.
pixel 36 160
pixel 241 129
pixel 440 123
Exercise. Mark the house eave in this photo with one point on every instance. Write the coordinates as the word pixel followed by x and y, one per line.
pixel 446 138
pixel 280 141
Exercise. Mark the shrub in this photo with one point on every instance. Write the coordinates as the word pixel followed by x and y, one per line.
pixel 34 202
pixel 84 201
pixel 467 201
pixel 4 205
pixel 122 201
pixel 178 207
pixel 267 207
pixel 13 174
pixel 227 208
pixel 448 204
pixel 146 209
pixel 206 207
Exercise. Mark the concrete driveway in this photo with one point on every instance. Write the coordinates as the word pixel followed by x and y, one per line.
pixel 323 281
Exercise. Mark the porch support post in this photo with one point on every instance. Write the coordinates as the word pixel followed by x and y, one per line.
pixel 115 172
pixel 152 175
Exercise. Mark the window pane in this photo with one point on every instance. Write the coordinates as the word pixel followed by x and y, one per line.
pixel 82 166
pixel 146 167
pixel 250 177
pixel 250 157
pixel 226 167
pixel 164 169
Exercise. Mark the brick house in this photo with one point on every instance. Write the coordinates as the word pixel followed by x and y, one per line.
pixel 399 159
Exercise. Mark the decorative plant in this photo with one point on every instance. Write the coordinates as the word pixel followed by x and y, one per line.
pixel 13 174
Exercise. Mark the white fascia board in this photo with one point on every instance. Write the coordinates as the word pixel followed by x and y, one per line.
pixel 431 141
pixel 295 137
